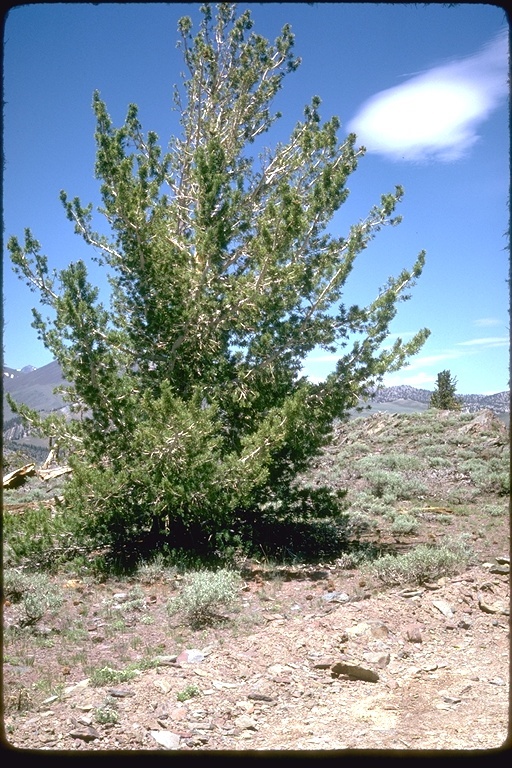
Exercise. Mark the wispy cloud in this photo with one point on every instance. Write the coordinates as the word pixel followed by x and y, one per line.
pixel 487 322
pixel 488 341
pixel 435 115
pixel 426 361
pixel 421 380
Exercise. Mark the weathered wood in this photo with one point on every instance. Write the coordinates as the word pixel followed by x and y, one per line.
pixel 18 476
pixel 48 474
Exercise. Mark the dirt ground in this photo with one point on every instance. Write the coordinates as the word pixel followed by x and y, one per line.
pixel 311 659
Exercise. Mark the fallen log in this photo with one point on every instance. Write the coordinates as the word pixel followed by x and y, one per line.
pixel 48 474
pixel 18 476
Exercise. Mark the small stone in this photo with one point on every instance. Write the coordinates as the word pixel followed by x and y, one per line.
pixel 259 697
pixel 444 607
pixel 87 733
pixel 497 681
pixel 178 713
pixel 167 739
pixel 413 633
pixel 380 631
pixel 494 608
pixel 380 660
pixel 335 597
pixel 119 693
pixel 245 722
pixel 503 570
pixel 464 624
pixel 191 656
pixel 355 671
pixel 503 559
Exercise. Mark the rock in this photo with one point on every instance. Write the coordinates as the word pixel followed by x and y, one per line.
pixel 246 723
pixel 380 660
pixel 119 693
pixel 497 607
pixel 502 570
pixel 120 597
pixel 166 661
pixel 336 597
pixel 497 681
pixel 259 697
pixel 178 713
pixel 167 739
pixel 464 624
pixel 413 633
pixel 355 671
pixel 357 629
pixel 444 607
pixel 380 631
pixel 451 699
pixel 191 656
pixel 503 559
pixel 86 733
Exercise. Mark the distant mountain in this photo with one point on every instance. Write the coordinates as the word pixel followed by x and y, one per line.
pixel 498 403
pixel 35 387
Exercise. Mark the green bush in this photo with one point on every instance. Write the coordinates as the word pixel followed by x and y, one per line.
pixel 422 564
pixel 188 693
pixel 41 537
pixel 404 524
pixel 109 676
pixel 34 591
pixel 204 593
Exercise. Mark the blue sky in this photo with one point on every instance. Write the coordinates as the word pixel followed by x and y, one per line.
pixel 424 87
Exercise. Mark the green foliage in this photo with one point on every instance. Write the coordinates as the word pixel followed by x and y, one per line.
pixel 189 403
pixel 35 593
pixel 422 564
pixel 404 524
pixel 41 537
pixel 188 693
pixel 109 676
pixel 443 395
pixel 204 593
pixel 108 712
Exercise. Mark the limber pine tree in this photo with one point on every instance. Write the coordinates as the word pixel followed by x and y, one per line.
pixel 443 395
pixel 191 410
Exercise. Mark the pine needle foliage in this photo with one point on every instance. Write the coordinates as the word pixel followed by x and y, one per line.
pixel 191 409
pixel 444 396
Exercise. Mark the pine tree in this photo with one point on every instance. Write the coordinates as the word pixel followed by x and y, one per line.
pixel 443 396
pixel 224 276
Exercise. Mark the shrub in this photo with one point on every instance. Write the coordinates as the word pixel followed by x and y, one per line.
pixel 188 693
pixel 404 524
pixel 109 676
pixel 34 591
pixel 108 713
pixel 40 537
pixel 204 593
pixel 422 564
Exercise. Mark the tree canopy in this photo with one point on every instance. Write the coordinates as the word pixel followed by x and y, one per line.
pixel 443 396
pixel 190 406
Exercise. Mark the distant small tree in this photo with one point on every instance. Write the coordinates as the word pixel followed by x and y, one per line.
pixel 444 394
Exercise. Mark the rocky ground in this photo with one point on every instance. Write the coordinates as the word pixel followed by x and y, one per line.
pixel 320 657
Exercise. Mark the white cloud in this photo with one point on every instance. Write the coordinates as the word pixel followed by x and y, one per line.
pixel 489 341
pixel 436 114
pixel 420 380
pixel 428 360
pixel 487 322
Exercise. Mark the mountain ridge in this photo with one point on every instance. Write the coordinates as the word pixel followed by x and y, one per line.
pixel 34 386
